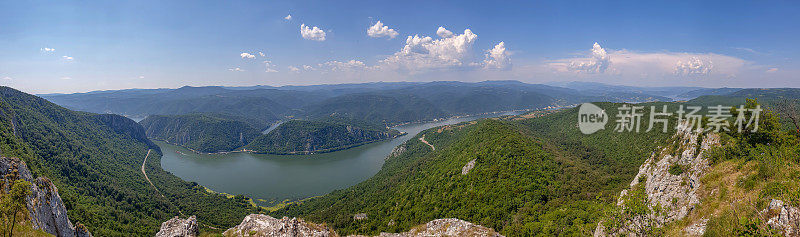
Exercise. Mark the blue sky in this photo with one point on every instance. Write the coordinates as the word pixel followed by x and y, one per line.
pixel 65 46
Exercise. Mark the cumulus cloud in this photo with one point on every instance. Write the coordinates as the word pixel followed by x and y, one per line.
pixel 236 69
pixel 141 77
pixel 247 55
pixel 379 30
pixel 7 78
pixel 693 66
pixel 288 17
pixel 68 58
pixel 47 50
pixel 632 65
pixel 444 33
pixel 598 63
pixel 425 53
pixel 497 58
pixel 293 69
pixel 312 33
pixel 262 54
pixel 269 66
pixel 308 68
pixel 66 78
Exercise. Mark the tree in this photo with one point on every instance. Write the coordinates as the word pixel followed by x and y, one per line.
pixel 788 108
pixel 12 203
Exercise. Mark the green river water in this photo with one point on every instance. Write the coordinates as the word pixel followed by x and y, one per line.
pixel 281 177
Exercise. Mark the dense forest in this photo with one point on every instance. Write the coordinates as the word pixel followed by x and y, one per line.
pixel 201 132
pixel 383 103
pixel 530 177
pixel 95 163
pixel 303 137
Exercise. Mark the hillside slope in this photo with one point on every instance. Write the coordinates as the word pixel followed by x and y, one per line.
pixel 95 164
pixel 516 175
pixel 200 132
pixel 303 137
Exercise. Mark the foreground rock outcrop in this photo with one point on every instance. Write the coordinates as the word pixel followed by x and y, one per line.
pixel 783 217
pixel 671 179
pixel 45 207
pixel 263 225
pixel 446 227
pixel 177 227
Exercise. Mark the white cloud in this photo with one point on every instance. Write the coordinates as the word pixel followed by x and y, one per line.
pixel 269 65
pixel 314 33
pixel 247 55
pixel 497 57
pixel 288 17
pixel 347 66
pixel 68 58
pixel 379 30
pixel 307 68
pixel 47 50
pixel 425 53
pixel 141 77
pixel 625 65
pixel 772 70
pixel 693 66
pixel 7 78
pixel 262 54
pixel 444 33
pixel 236 69
pixel 66 78
pixel 598 63
pixel 293 69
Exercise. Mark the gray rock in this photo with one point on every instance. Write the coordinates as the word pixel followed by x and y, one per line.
pixel 446 227
pixel 177 227
pixel 45 207
pixel 783 217
pixel 676 194
pixel 263 225
pixel 471 164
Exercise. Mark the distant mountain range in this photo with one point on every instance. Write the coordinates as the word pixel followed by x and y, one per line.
pixel 381 102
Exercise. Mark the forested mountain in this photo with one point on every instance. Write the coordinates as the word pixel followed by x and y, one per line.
pixel 519 176
pixel 303 137
pixel 201 132
pixel 390 103
pixel 95 161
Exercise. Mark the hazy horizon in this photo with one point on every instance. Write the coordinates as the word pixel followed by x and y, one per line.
pixel 67 47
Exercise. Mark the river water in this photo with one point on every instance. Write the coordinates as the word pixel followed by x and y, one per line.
pixel 293 177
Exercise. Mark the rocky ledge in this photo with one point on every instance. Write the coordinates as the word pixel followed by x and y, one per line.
pixel 263 225
pixel 45 207
pixel 446 227
pixel 177 227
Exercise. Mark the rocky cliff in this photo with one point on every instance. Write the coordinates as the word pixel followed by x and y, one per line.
pixel 671 180
pixel 45 208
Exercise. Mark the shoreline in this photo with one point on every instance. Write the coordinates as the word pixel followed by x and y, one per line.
pixel 523 111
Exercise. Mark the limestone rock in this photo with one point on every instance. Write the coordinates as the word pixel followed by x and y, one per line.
pixel 177 227
pixel 676 193
pixel 783 217
pixel 446 227
pixel 471 164
pixel 45 207
pixel 263 225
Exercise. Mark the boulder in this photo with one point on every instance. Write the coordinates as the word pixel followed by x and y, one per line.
pixel 177 227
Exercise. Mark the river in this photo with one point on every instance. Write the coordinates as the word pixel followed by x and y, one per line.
pixel 267 178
